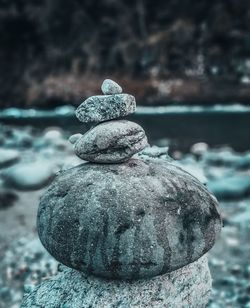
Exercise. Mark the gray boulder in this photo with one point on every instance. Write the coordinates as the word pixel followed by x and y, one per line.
pixel 189 286
pixel 111 142
pixel 127 221
pixel 105 107
pixel 110 87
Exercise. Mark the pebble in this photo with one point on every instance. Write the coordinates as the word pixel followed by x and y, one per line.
pixel 29 175
pixel 230 187
pixel 19 138
pixel 227 157
pixel 52 133
pixel 110 87
pixel 105 107
pixel 199 148
pixel 8 157
pixel 133 220
pixel 74 138
pixel 156 152
pixel 111 142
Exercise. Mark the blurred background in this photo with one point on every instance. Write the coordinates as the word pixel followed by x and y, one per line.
pixel 188 65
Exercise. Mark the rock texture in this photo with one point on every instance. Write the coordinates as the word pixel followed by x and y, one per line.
pixel 110 87
pixel 127 221
pixel 186 287
pixel 111 142
pixel 101 108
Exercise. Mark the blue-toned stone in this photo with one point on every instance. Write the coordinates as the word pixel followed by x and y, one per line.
pixel 110 87
pixel 101 108
pixel 134 220
pixel 111 142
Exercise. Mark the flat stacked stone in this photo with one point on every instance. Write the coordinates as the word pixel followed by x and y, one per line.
pixel 113 104
pixel 111 141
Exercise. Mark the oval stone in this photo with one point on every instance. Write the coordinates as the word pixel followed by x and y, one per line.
pixel 110 87
pixel 133 220
pixel 101 108
pixel 111 142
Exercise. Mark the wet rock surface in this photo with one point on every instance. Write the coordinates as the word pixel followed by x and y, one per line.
pixel 132 220
pixel 74 289
pixel 105 107
pixel 111 142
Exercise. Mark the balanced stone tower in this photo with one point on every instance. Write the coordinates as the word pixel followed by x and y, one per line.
pixel 132 232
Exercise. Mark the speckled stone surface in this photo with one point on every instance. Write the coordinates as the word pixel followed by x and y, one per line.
pixel 101 108
pixel 111 142
pixel 189 286
pixel 127 221
pixel 110 87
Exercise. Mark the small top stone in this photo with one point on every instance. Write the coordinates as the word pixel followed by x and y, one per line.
pixel 110 87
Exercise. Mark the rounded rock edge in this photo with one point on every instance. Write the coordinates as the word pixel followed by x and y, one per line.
pixel 189 286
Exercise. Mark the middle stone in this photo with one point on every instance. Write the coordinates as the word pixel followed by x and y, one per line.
pixel 111 142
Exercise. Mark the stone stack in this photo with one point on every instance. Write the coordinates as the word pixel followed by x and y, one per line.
pixel 136 230
pixel 112 141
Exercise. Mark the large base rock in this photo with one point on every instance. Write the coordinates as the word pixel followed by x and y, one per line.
pixel 128 221
pixel 189 286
